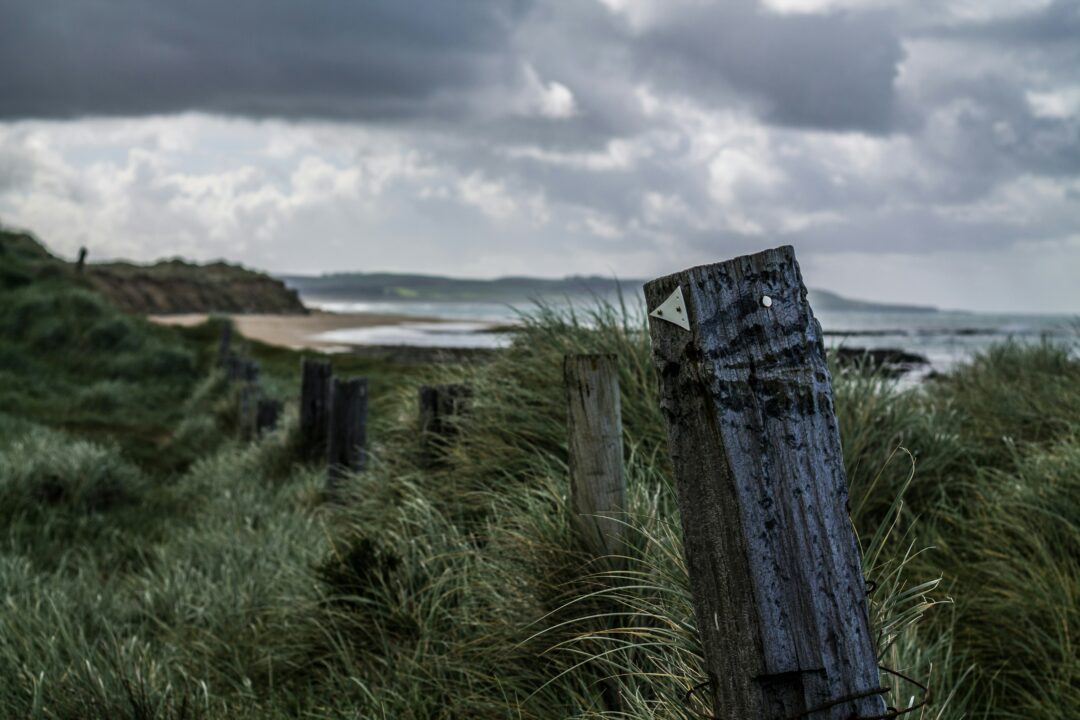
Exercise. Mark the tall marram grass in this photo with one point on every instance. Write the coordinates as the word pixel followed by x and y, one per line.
pixel 462 591
pixel 185 605
pixel 953 557
pixel 625 634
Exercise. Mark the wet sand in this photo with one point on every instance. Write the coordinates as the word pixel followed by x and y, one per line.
pixel 299 331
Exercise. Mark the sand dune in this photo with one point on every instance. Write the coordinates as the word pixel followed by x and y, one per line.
pixel 298 331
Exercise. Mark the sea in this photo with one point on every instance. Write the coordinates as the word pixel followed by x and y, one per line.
pixel 944 337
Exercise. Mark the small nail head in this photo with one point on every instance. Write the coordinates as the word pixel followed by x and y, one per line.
pixel 766 301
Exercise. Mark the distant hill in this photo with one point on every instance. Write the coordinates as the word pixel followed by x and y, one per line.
pixel 176 286
pixel 374 287
pixel 825 300
pixel 436 288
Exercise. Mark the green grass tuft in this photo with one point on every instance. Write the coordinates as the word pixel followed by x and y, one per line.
pixel 153 566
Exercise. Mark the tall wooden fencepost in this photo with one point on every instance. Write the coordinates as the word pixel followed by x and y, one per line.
pixel 315 378
pixel 239 368
pixel 347 431
pixel 595 447
pixel 248 410
pixel 225 342
pixel 233 367
pixel 779 595
pixel 440 406
pixel 250 370
pixel 267 413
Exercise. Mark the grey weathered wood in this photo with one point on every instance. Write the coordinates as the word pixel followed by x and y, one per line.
pixel 225 343
pixel 248 410
pixel 594 442
pixel 440 405
pixel 267 412
pixel 238 368
pixel 347 431
pixel 250 370
pixel 315 378
pixel 233 367
pixel 778 590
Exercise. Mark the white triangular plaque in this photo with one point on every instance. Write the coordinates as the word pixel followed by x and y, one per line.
pixel 673 310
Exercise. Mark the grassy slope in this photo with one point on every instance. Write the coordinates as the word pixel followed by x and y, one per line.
pixel 71 360
pixel 221 588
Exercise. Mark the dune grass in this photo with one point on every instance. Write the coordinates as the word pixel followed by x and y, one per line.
pixel 216 585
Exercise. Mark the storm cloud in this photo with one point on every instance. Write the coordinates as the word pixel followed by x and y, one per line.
pixel 393 59
pixel 833 71
pixel 276 58
pixel 617 136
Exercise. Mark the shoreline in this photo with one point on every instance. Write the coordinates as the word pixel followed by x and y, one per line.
pixel 407 339
pixel 299 332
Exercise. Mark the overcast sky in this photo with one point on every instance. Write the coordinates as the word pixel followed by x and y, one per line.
pixel 922 151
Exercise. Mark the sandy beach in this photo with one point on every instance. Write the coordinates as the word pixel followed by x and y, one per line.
pixel 299 331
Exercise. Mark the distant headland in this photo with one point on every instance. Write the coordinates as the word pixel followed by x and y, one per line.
pixel 403 287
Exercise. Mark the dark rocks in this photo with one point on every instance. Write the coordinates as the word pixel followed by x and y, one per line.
pixel 893 362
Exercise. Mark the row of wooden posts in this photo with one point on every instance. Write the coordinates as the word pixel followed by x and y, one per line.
pixel 257 413
pixel 334 413
pixel 779 596
pixel 333 417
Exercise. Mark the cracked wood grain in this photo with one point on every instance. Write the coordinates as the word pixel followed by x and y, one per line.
pixel 315 378
pixel 779 595
pixel 347 432
pixel 594 442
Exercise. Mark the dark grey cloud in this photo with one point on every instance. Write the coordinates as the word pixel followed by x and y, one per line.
pixel 279 58
pixel 393 59
pixel 987 76
pixel 1057 23
pixel 916 229
pixel 833 71
pixel 687 129
pixel 1002 136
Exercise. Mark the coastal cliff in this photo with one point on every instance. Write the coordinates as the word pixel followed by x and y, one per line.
pixel 164 288
pixel 174 286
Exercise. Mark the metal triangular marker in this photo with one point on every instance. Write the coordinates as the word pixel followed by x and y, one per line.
pixel 673 310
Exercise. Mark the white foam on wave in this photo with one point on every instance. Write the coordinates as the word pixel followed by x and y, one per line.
pixel 421 334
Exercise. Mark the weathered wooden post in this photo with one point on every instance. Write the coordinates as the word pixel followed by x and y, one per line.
pixel 247 410
pixel 594 441
pixel 439 406
pixel 225 343
pixel 241 368
pixel 232 367
pixel 315 377
pixel 347 436
pixel 267 412
pixel 80 264
pixel 778 590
